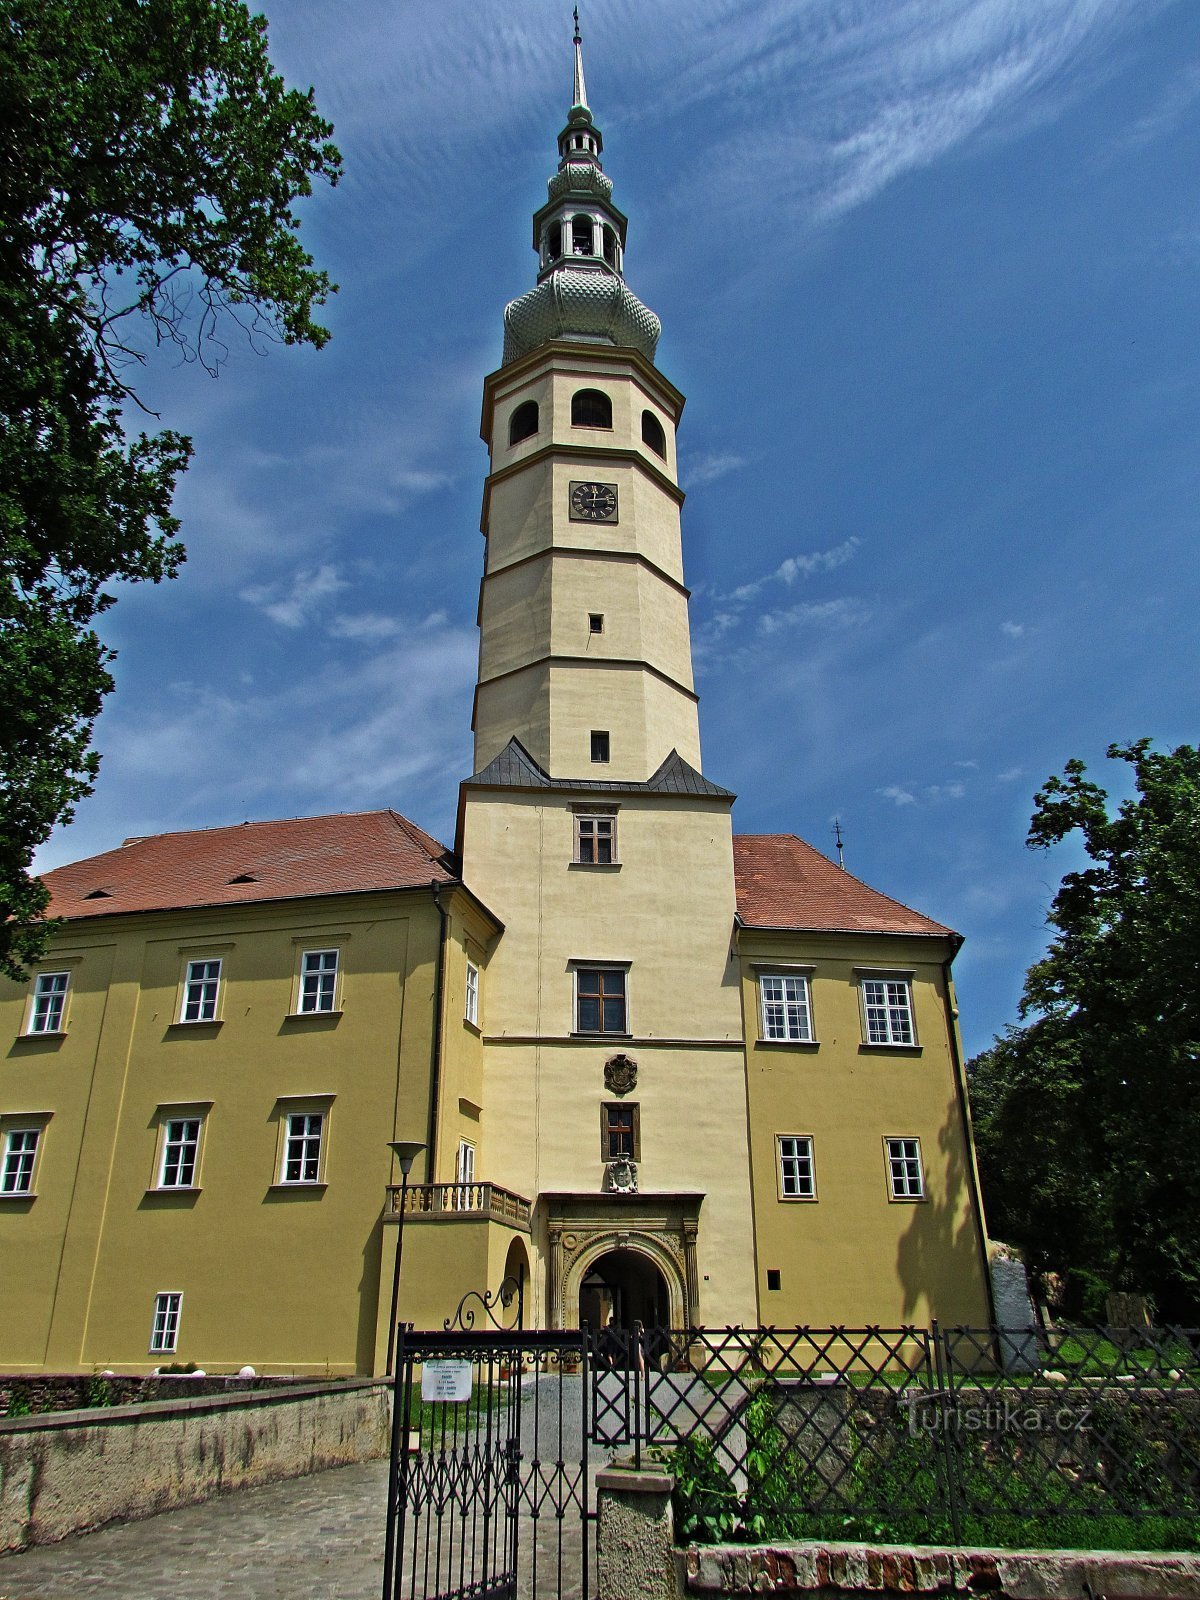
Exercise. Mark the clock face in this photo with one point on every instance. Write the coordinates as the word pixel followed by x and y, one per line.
pixel 594 502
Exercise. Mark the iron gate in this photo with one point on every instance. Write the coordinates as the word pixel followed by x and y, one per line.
pixel 488 1488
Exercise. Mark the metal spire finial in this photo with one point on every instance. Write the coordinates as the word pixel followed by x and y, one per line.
pixel 580 86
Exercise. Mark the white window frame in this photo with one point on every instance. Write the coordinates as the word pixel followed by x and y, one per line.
pixel 177 1146
pixel 887 1009
pixel 471 994
pixel 20 1163
pixel 905 1168
pixel 323 993
pixel 793 1016
pixel 581 967
pixel 300 1139
pixel 464 1162
pixel 48 1003
pixel 201 990
pixel 795 1183
pixel 599 827
pixel 164 1326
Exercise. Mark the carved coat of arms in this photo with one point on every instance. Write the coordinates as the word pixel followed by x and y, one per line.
pixel 620 1074
pixel 622 1176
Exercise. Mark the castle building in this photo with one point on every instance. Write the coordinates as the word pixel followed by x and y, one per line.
pixel 661 1071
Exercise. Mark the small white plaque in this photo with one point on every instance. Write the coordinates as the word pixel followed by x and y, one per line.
pixel 446 1380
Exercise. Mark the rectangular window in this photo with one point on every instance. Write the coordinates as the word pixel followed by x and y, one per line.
pixel 620 1131
pixel 905 1178
pixel 20 1153
pixel 596 841
pixel 599 745
pixel 49 1002
pixel 164 1332
pixel 797 1177
pixel 302 1147
pixel 786 1013
pixel 596 622
pixel 887 1010
pixel 200 991
pixel 180 1153
pixel 465 1164
pixel 600 1000
pixel 471 1006
pixel 318 981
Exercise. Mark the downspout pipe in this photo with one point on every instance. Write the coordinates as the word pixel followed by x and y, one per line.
pixel 435 1065
pixel 960 1087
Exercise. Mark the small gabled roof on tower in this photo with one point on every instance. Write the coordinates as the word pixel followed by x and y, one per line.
pixel 784 883
pixel 347 853
pixel 515 768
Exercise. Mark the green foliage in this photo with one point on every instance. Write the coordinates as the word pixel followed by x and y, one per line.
pixel 97 1391
pixel 19 1403
pixel 152 159
pixel 1087 1115
pixel 175 1368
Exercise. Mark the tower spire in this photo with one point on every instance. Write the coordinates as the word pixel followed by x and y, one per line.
pixel 580 86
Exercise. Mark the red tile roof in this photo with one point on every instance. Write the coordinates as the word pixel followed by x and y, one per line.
pixel 349 853
pixel 784 883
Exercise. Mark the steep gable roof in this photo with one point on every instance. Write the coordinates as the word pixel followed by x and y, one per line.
pixel 347 853
pixel 784 883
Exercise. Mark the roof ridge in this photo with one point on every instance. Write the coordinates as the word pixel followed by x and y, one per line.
pixel 230 827
pixel 417 834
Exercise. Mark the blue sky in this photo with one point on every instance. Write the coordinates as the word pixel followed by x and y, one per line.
pixel 927 271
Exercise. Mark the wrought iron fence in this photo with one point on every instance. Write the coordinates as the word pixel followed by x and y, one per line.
pixel 1085 1437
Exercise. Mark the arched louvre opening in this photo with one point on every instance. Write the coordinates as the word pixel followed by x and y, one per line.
pixel 582 241
pixel 653 435
pixel 590 408
pixel 523 423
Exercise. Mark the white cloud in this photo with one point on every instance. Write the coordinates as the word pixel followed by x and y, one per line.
pixel 945 791
pixel 1012 630
pixel 708 467
pixel 845 612
pixel 302 599
pixel 1010 775
pixel 798 566
pixel 898 796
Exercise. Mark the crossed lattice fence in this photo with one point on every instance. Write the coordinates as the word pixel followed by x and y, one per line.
pixel 1084 1437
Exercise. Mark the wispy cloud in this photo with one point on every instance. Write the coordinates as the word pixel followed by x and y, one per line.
pixel 897 795
pixel 1012 630
pixel 708 466
pixel 301 600
pixel 795 567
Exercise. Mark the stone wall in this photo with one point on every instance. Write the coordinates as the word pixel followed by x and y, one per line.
pixel 31 1395
pixel 67 1472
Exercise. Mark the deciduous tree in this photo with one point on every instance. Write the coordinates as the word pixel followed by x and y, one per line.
pixel 1088 1113
pixel 150 161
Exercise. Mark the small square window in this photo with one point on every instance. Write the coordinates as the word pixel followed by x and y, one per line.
pixel 49 1002
pixel 785 1011
pixel 318 982
pixel 596 622
pixel 906 1181
pixel 599 745
pixel 797 1175
pixel 620 1131
pixel 600 1000
pixel 164 1330
pixel 887 1011
pixel 20 1155
pixel 773 1281
pixel 200 990
pixel 180 1153
pixel 595 840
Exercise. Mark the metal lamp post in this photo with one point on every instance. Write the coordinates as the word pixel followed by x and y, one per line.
pixel 406 1152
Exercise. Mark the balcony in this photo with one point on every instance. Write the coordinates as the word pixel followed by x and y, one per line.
pixel 447 1202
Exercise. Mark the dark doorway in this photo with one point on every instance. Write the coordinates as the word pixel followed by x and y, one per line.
pixel 621 1288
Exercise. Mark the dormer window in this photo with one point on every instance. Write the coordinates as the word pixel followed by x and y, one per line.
pixel 582 242
pixel 523 423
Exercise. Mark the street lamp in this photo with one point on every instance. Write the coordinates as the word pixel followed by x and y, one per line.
pixel 406 1152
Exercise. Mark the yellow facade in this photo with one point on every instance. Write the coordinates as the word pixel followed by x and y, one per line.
pixel 656 1075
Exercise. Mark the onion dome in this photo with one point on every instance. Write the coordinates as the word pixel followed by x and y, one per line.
pixel 579 234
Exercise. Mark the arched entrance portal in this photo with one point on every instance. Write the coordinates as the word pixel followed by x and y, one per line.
pixel 623 1287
